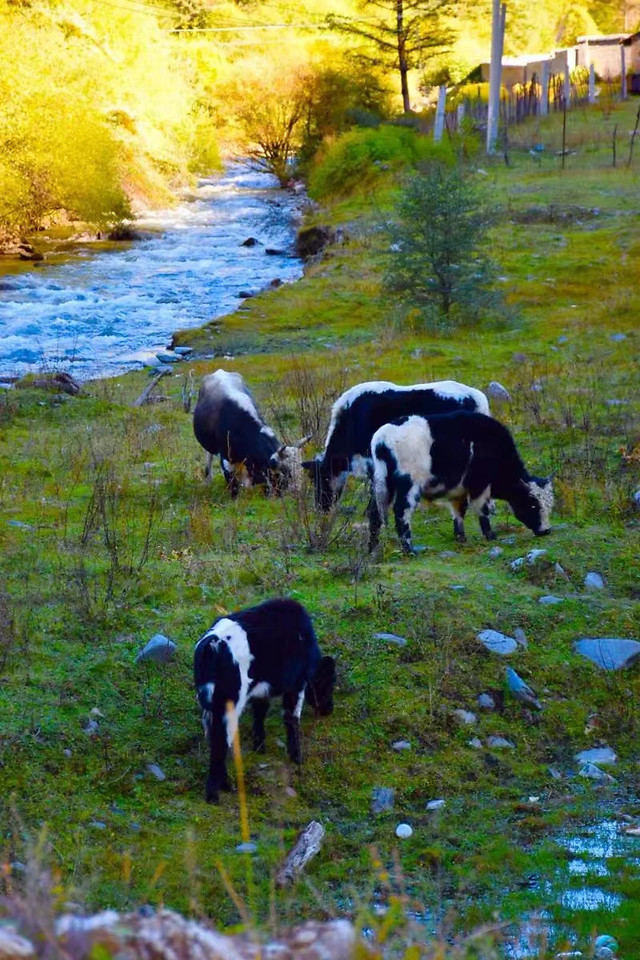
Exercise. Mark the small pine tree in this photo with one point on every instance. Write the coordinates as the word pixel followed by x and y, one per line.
pixel 434 265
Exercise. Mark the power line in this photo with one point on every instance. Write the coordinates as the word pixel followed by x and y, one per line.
pixel 244 29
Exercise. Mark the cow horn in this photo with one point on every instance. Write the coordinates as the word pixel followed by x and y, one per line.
pixel 304 440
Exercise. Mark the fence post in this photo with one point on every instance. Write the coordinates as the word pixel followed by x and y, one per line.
pixel 623 72
pixel 438 126
pixel 592 84
pixel 567 86
pixel 544 98
pixel 460 111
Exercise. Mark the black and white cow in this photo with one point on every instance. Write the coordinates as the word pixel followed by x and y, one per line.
pixel 227 423
pixel 261 652
pixel 361 410
pixel 466 458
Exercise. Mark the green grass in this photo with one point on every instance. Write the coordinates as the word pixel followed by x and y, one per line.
pixel 126 540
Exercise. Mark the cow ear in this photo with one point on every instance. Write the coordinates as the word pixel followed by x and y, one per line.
pixel 280 450
pixel 302 442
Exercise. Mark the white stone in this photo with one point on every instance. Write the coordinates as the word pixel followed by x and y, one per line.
pixel 465 717
pixel 592 772
pixel 476 743
pixel 598 755
pixel 486 702
pixel 497 642
pixel 593 581
pixel 159 650
pixel 499 743
pixel 155 770
pixel 496 391
pixel 403 831
pixel 436 804
pixel 609 653
pixel 549 600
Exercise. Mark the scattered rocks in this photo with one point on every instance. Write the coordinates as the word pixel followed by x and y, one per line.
pixel 382 799
pixel 403 831
pixel 465 717
pixel 609 653
pixel 98 825
pixel 605 941
pixel 305 848
pixel 248 847
pixel 183 351
pixel 159 650
pixel 448 555
pixel 246 294
pixel 250 242
pixel 495 552
pixel 500 743
pixel 155 771
pixel 636 499
pixel 486 702
pixel 593 581
pixel 593 772
pixel 168 357
pixel 496 391
pixel 618 337
pixel 391 637
pixel 476 743
pixel 597 755
pixel 60 382
pixel 497 642
pixel 520 690
pixel 549 600
pixel 436 804
pixel 400 745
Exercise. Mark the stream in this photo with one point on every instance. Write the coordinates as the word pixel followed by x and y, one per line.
pixel 99 311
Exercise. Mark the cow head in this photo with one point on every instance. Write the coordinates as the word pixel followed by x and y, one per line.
pixel 320 687
pixel 533 503
pixel 286 463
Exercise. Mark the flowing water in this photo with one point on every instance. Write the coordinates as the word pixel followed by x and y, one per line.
pixel 100 312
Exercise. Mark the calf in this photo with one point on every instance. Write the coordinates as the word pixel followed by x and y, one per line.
pixel 465 458
pixel 227 423
pixel 261 652
pixel 361 410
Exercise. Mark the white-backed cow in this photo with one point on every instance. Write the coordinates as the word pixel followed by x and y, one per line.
pixel 261 652
pixel 227 423
pixel 465 458
pixel 360 411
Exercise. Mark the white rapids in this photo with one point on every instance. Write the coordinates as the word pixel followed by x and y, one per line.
pixel 99 313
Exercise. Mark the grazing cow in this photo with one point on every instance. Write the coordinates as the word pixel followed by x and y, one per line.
pixel 360 411
pixel 463 457
pixel 261 652
pixel 227 422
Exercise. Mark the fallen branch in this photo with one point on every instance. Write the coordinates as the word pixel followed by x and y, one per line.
pixel 306 847
pixel 146 393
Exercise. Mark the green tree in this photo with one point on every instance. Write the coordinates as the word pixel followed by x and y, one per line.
pixel 399 35
pixel 434 264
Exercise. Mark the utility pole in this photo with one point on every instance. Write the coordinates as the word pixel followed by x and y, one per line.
pixel 498 23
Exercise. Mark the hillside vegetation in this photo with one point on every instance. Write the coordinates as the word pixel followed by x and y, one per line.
pixel 109 535
pixel 106 106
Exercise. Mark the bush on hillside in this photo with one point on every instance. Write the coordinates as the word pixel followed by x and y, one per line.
pixel 360 156
pixel 435 266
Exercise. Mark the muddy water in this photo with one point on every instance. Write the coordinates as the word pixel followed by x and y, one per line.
pixel 99 312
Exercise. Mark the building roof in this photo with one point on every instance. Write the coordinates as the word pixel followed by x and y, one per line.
pixel 631 39
pixel 603 38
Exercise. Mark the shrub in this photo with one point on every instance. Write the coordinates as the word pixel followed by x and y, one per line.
pixel 434 265
pixel 360 156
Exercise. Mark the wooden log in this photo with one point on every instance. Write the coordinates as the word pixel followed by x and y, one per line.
pixel 305 847
pixel 146 393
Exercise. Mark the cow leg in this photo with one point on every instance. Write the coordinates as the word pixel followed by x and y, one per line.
pixel 406 500
pixel 458 510
pixel 375 523
pixel 208 460
pixel 218 778
pixel 230 477
pixel 484 506
pixel 260 708
pixel 291 710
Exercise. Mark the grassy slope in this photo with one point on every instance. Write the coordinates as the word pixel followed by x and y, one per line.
pixel 92 475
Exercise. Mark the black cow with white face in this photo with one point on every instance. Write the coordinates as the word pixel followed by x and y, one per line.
pixel 465 458
pixel 250 656
pixel 227 423
pixel 361 410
